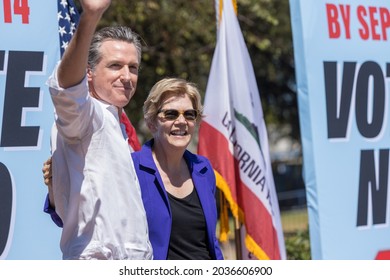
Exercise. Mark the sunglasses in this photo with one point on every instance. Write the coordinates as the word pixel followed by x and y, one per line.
pixel 172 114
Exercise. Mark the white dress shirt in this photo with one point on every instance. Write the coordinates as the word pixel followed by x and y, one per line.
pixel 96 190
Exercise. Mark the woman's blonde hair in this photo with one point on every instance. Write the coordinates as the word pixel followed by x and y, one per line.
pixel 177 86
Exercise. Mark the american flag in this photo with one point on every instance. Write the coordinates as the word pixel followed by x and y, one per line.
pixel 68 18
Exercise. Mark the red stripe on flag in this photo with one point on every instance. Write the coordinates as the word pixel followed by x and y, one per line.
pixel 258 221
pixel 218 153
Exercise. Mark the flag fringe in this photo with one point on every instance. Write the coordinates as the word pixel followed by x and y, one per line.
pixel 237 212
pixel 224 220
pixel 255 249
pixel 224 187
pixel 220 8
pixel 224 217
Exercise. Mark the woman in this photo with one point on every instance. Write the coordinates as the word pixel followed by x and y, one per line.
pixel 177 186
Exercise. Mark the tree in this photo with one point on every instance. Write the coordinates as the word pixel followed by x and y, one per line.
pixel 179 40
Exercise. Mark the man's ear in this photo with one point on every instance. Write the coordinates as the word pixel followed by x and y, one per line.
pixel 89 74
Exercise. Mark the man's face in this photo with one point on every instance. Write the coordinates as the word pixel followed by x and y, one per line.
pixel 115 77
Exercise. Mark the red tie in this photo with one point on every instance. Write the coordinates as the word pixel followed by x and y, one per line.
pixel 131 133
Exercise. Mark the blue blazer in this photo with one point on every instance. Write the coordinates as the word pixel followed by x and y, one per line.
pixel 156 201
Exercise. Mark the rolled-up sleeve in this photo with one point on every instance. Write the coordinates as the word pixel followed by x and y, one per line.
pixel 74 108
pixel 50 210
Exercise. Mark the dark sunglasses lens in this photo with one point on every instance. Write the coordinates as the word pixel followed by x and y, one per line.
pixel 190 115
pixel 171 114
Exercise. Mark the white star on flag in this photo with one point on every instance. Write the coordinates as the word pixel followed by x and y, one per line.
pixel 68 18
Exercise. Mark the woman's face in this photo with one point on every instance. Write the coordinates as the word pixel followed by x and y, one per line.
pixel 174 132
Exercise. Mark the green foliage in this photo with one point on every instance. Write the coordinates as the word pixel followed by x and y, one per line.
pixel 298 245
pixel 179 40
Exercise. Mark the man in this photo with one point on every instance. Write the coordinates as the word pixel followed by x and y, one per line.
pixel 92 168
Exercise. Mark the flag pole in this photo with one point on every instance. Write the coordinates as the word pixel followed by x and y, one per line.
pixel 237 238
pixel 224 224
pixel 232 94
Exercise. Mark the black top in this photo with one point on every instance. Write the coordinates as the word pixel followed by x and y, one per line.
pixel 188 234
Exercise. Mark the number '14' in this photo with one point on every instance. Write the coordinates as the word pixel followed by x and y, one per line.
pixel 20 8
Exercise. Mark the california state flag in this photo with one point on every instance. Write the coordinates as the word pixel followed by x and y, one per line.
pixel 234 137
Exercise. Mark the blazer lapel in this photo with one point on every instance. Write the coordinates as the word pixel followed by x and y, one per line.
pixel 148 165
pixel 199 177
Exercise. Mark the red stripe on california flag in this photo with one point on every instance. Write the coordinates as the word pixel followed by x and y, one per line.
pixel 213 145
pixel 258 221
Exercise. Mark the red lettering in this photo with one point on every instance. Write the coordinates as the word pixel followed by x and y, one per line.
pixel 21 8
pixel 374 23
pixel 333 24
pixel 385 21
pixel 7 11
pixel 383 255
pixel 364 31
pixel 346 15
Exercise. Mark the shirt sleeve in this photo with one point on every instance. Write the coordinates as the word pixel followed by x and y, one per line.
pixel 75 110
pixel 51 211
